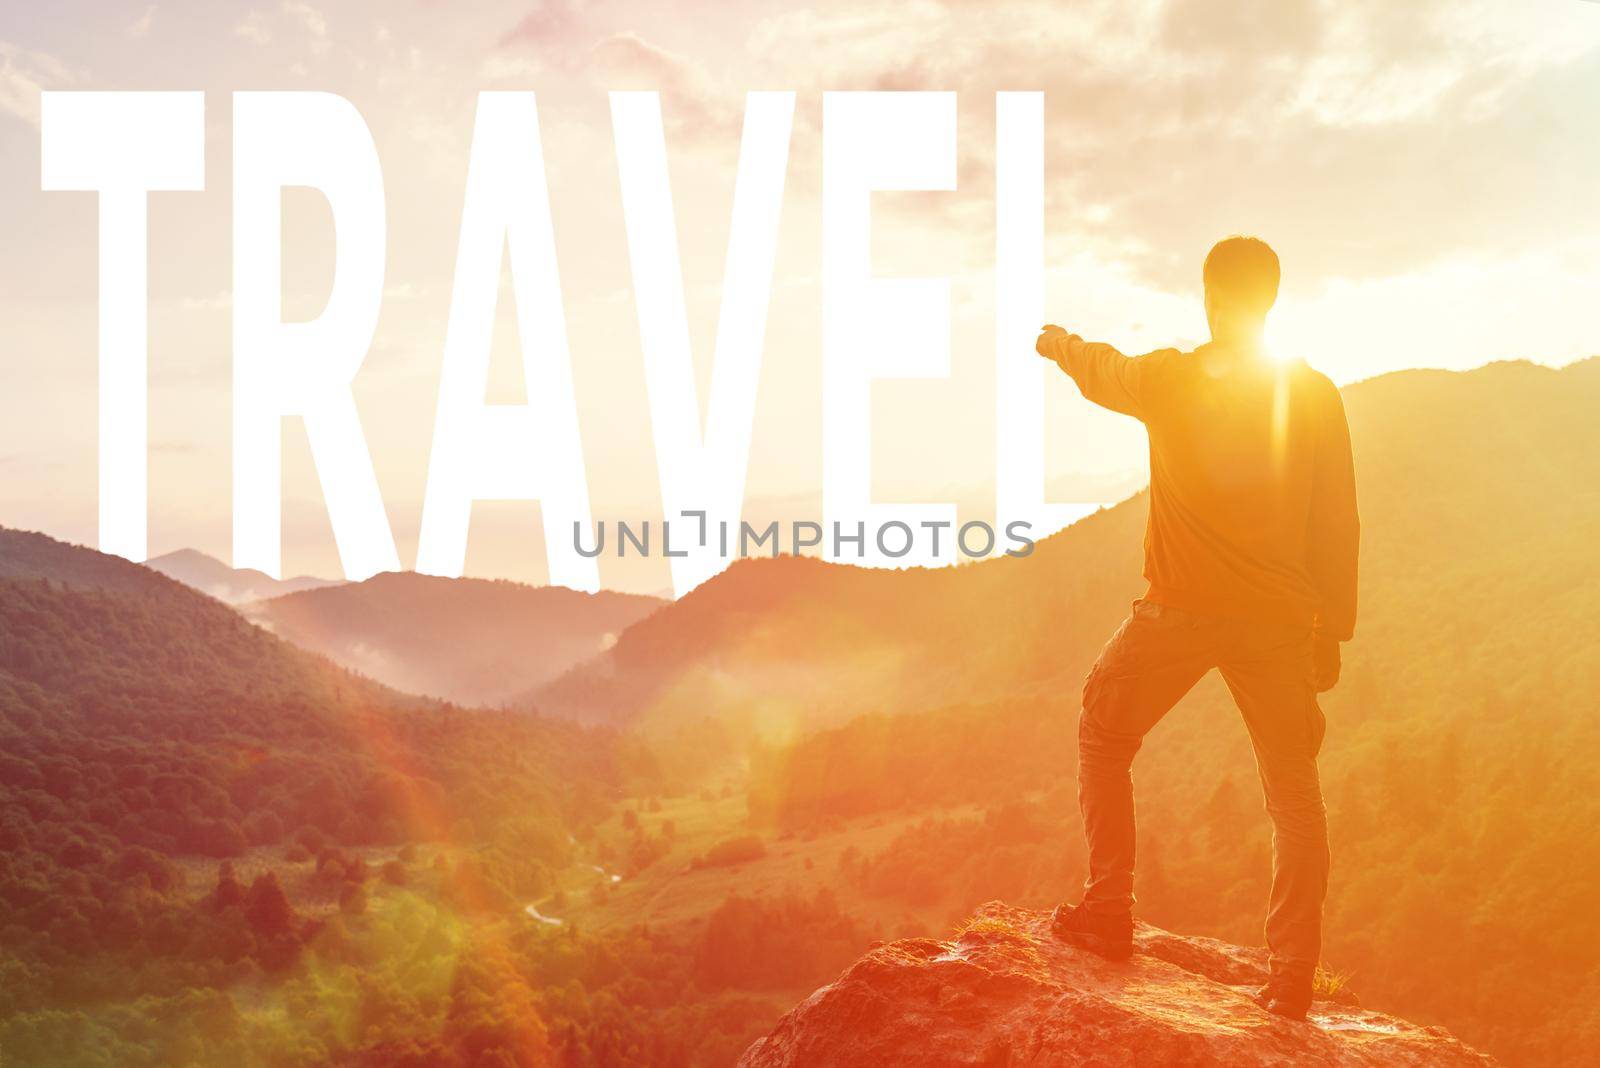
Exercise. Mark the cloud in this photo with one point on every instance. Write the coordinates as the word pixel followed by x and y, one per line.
pixel 551 22
pixel 312 21
pixel 23 75
pixel 1382 62
pixel 1171 122
pixel 315 23
pixel 1260 27
pixel 693 104
pixel 140 27
pixel 254 29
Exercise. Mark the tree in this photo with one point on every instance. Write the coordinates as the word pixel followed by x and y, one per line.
pixel 228 891
pixel 267 908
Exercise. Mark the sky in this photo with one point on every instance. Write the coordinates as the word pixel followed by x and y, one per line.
pixel 1425 170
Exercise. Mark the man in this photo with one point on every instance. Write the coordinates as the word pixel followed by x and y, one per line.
pixel 1250 551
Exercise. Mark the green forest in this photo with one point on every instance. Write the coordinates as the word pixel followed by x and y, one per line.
pixel 217 849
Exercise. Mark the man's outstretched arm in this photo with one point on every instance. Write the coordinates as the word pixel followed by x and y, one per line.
pixel 1104 375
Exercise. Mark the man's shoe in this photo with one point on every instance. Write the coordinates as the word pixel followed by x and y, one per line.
pixel 1289 998
pixel 1109 936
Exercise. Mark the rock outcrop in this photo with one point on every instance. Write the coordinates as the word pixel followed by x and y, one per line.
pixel 1004 992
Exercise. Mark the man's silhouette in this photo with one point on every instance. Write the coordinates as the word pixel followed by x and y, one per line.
pixel 1250 552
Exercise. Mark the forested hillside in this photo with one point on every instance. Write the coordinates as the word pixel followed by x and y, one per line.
pixel 472 641
pixel 218 849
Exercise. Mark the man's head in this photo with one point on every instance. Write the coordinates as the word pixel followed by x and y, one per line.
pixel 1241 278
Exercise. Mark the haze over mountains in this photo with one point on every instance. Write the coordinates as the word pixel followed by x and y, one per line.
pixel 230 585
pixel 472 641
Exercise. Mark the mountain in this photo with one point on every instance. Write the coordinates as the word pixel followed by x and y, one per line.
pixel 230 585
pixel 1462 475
pixel 470 641
pixel 1005 992
pixel 28 555
pixel 156 717
pixel 175 646
pixel 882 752
pixel 1459 762
pixel 209 836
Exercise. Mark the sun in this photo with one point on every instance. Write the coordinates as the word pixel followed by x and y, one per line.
pixel 1273 339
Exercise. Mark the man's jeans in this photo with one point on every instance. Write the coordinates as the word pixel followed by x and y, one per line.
pixel 1156 656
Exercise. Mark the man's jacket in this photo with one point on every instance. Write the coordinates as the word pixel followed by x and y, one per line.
pixel 1252 489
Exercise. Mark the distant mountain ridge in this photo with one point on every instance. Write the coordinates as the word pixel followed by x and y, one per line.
pixel 1442 458
pixel 197 629
pixel 108 663
pixel 231 585
pixel 471 641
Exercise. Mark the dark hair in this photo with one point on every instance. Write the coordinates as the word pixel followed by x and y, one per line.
pixel 1243 272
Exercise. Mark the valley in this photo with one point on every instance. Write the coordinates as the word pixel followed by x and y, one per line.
pixel 216 840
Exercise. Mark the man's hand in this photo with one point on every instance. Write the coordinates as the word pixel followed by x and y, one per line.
pixel 1325 661
pixel 1052 345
